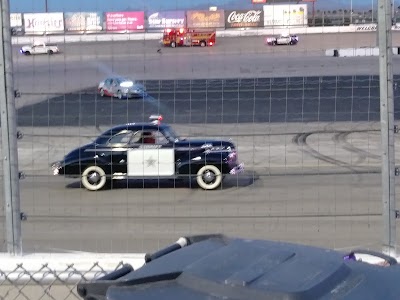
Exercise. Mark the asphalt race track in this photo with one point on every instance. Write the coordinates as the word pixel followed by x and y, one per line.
pixel 306 128
pixel 219 101
pixel 82 66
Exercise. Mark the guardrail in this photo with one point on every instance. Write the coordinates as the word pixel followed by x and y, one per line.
pixel 105 37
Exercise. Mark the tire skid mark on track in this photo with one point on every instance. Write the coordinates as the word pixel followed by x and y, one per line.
pixel 341 139
pixel 300 139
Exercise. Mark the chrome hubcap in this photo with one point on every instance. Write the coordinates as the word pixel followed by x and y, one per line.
pixel 94 178
pixel 208 177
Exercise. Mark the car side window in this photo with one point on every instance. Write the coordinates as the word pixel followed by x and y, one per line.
pixel 108 82
pixel 160 138
pixel 149 137
pixel 121 138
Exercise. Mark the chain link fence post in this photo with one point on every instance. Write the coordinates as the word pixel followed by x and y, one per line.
pixel 9 136
pixel 387 125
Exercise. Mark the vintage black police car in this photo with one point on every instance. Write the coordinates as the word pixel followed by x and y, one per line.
pixel 149 151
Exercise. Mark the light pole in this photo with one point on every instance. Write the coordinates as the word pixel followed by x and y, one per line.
pixel 372 11
pixel 351 11
pixel 46 6
pixel 393 13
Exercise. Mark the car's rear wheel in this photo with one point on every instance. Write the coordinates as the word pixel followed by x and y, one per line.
pixel 119 95
pixel 94 178
pixel 209 177
pixel 27 53
pixel 50 52
pixel 173 44
pixel 203 44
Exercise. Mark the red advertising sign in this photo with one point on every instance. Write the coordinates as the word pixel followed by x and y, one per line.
pixel 125 21
pixel 258 1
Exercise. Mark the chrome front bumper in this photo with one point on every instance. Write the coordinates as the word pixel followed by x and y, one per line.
pixel 237 169
pixel 56 166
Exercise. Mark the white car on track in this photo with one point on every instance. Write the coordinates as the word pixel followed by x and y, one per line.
pixel 283 39
pixel 39 48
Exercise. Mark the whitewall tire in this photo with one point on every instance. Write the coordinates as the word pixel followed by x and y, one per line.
pixel 94 178
pixel 209 177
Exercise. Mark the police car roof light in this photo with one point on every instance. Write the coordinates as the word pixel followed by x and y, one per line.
pixel 156 119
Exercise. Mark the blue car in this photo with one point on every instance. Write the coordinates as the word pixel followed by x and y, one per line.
pixel 121 88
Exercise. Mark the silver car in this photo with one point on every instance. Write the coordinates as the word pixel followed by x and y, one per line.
pixel 120 87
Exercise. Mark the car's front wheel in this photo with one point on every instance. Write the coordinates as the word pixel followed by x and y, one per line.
pixel 102 92
pixel 209 177
pixel 94 178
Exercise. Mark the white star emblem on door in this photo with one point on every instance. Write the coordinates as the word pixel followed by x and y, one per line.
pixel 151 162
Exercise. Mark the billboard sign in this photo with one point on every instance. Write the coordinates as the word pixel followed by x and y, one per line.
pixel 15 20
pixel 205 19
pixel 258 1
pixel 244 18
pixel 166 19
pixel 285 15
pixel 44 22
pixel 125 21
pixel 83 21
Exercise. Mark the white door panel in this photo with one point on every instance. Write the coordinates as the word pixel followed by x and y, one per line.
pixel 39 50
pixel 151 162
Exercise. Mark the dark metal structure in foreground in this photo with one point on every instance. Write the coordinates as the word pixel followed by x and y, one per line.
pixel 219 267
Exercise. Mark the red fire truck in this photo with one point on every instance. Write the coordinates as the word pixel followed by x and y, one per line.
pixel 188 37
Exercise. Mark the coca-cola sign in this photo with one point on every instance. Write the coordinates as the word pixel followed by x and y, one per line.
pixel 244 18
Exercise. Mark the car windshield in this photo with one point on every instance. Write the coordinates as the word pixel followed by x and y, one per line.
pixel 170 134
pixel 106 136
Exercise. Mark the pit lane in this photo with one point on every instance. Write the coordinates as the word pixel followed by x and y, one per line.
pixel 334 210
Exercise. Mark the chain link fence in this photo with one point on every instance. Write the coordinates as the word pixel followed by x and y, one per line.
pixel 306 128
pixel 47 282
